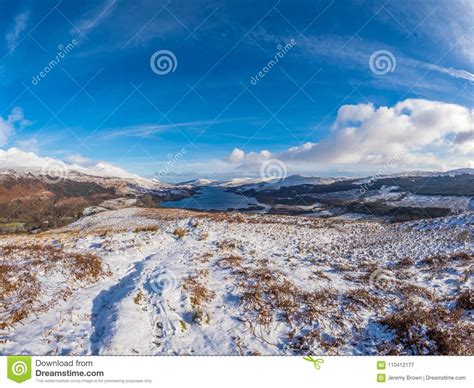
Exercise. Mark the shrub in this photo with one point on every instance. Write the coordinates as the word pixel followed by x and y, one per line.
pixel 179 232
pixel 150 228
pixel 465 300
pixel 138 298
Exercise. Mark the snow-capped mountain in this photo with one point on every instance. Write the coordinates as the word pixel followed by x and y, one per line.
pixel 459 171
pixel 15 163
pixel 298 180
pixel 197 182
pixel 260 183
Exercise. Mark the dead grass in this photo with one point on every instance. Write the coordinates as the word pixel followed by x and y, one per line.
pixel 361 297
pixel 409 290
pixel 150 228
pixel 24 274
pixel 436 330
pixel 443 260
pixel 267 295
pixel 405 262
pixel 226 245
pixel 465 300
pixel 232 261
pixel 138 298
pixel 197 291
pixel 179 232
pixel 199 295
pixel 203 236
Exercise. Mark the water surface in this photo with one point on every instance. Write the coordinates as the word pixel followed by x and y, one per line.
pixel 213 198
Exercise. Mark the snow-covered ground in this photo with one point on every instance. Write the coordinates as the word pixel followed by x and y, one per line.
pixel 180 282
pixel 457 204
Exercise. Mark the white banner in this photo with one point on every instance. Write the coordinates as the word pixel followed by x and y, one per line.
pixel 238 372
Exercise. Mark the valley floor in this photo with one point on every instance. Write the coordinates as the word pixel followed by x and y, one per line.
pixel 177 282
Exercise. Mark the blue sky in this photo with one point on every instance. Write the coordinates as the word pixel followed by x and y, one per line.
pixel 322 105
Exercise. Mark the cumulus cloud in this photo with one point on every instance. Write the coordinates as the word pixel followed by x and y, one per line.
pixel 243 160
pixel 12 36
pixel 464 142
pixel 78 159
pixel 13 121
pixel 236 156
pixel 418 132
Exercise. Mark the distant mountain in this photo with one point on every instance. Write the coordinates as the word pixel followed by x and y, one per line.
pixel 234 182
pixel 16 164
pixel 41 193
pixel 297 180
pixel 197 182
pixel 459 171
pixel 259 183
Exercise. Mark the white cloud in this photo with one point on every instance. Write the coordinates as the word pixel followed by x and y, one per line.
pixel 236 156
pixel 248 160
pixel 92 19
pixel 78 159
pixel 415 132
pixel 146 130
pixel 445 23
pixel 13 35
pixel 13 121
pixel 462 74
pixel 345 51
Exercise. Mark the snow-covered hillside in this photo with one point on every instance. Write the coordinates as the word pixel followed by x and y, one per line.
pixel 167 281
pixel 15 163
